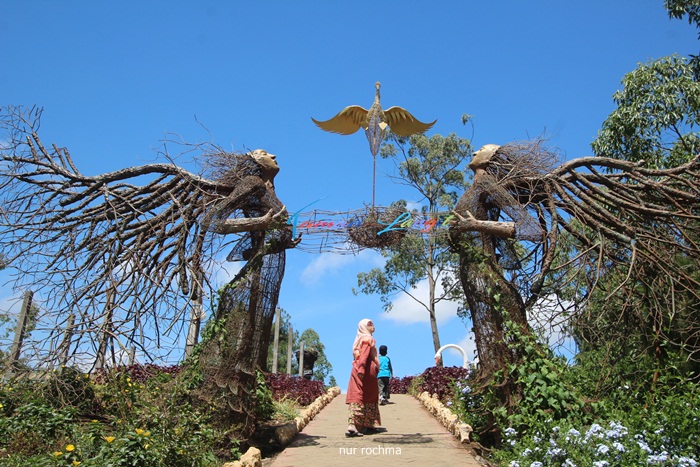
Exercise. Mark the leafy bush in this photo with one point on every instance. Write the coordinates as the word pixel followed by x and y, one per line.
pixel 138 415
pixel 400 385
pixel 32 427
pixel 120 421
pixel 301 390
pixel 610 444
pixel 286 410
pixel 71 388
pixel 264 407
pixel 439 380
pixel 139 373
pixel 636 412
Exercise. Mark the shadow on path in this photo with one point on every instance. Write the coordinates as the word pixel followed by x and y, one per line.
pixel 412 436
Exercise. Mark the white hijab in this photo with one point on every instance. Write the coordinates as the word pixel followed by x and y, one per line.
pixel 363 335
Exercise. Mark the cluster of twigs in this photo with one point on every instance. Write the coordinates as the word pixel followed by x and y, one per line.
pixel 375 229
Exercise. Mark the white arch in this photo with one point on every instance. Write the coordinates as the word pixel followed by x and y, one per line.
pixel 438 354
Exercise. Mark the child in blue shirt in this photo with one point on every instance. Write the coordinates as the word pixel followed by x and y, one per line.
pixel 385 373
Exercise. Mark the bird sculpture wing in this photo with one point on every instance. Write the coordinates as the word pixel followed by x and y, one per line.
pixel 403 123
pixel 347 122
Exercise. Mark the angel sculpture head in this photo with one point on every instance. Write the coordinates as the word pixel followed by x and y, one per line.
pixel 268 165
pixel 483 156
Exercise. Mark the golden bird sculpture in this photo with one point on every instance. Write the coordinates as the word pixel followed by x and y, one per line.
pixel 374 121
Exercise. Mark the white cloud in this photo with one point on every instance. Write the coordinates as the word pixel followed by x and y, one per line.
pixel 406 310
pixel 11 305
pixel 329 264
pixel 225 271
pixel 468 343
pixel 413 205
pixel 549 318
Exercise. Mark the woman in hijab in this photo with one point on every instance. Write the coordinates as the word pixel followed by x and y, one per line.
pixel 363 390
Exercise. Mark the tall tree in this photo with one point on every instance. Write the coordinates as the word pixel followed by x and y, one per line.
pixel 657 115
pixel 679 8
pixel 655 124
pixel 434 167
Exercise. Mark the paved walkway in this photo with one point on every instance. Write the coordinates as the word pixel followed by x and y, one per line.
pixel 412 437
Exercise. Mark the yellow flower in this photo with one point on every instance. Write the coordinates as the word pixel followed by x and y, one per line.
pixel 147 434
pixel 76 463
pixel 146 446
pixel 70 448
pixel 109 439
pixel 139 431
pixel 1 406
pixel 56 453
pixel 94 421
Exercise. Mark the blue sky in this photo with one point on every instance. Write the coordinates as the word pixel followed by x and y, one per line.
pixel 116 78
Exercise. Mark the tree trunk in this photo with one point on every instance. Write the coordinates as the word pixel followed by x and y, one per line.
pixel 490 296
pixel 433 318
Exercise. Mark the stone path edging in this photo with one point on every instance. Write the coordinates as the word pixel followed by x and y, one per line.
pixel 449 420
pixel 286 433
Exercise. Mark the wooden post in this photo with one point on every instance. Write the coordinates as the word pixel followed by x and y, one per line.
pixel 301 359
pixel 106 333
pixel 64 348
pixel 276 344
pixel 19 332
pixel 196 316
pixel 290 343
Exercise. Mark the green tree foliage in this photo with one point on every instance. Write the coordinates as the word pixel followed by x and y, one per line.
pixel 322 367
pixel 679 8
pixel 657 116
pixel 311 339
pixel 639 310
pixel 434 167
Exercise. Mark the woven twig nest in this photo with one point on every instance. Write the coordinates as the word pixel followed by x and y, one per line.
pixel 377 230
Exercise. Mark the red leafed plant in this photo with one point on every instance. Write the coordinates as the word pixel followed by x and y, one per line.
pixel 300 389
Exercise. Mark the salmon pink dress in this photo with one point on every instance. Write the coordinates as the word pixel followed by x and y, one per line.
pixel 363 392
